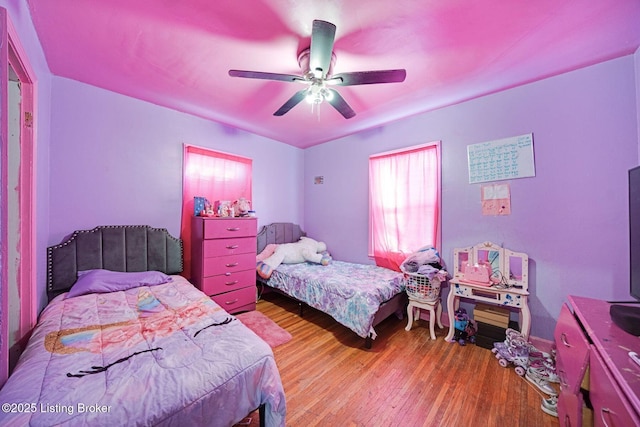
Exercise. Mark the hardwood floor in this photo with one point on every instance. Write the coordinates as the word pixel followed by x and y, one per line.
pixel 406 379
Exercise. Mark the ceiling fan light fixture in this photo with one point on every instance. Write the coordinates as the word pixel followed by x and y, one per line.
pixel 317 93
pixel 327 94
pixel 313 98
pixel 316 63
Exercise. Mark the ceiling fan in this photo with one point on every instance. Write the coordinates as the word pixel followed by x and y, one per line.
pixel 316 63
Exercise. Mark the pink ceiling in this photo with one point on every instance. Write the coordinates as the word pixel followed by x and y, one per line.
pixel 176 53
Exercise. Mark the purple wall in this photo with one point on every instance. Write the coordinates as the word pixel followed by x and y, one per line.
pixel 571 218
pixel 118 160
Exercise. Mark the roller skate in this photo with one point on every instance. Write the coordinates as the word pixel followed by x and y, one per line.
pixel 513 339
pixel 512 351
pixel 512 334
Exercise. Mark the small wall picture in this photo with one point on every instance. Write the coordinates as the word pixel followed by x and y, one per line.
pixel 496 199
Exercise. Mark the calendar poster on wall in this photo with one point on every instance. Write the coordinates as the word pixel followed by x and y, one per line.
pixel 507 158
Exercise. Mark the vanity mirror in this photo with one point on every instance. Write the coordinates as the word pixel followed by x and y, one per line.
pixel 506 283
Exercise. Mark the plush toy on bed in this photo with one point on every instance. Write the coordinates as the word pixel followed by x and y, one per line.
pixel 304 250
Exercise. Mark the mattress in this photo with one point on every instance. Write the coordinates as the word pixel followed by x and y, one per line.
pixel 158 355
pixel 350 293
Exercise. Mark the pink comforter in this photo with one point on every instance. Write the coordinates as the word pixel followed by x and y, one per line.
pixel 161 355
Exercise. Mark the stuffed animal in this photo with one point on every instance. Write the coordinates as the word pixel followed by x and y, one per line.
pixel 241 207
pixel 464 329
pixel 266 252
pixel 304 250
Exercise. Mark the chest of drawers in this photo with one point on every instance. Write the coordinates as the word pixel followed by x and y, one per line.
pixel 223 257
pixel 598 381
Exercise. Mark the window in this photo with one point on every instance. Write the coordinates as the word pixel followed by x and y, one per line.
pixel 404 203
pixel 214 175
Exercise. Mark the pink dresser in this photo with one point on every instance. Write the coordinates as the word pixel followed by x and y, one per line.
pixel 223 258
pixel 599 383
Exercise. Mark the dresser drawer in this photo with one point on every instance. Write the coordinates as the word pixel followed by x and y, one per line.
pixel 232 301
pixel 572 356
pixel 221 247
pixel 229 264
pixel 570 409
pixel 229 228
pixel 610 406
pixel 228 282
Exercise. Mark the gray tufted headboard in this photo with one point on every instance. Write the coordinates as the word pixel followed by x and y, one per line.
pixel 278 233
pixel 112 247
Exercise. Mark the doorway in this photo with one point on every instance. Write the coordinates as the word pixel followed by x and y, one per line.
pixel 17 235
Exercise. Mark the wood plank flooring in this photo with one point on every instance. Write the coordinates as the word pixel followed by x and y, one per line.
pixel 405 379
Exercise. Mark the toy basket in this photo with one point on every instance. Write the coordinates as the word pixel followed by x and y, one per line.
pixel 421 288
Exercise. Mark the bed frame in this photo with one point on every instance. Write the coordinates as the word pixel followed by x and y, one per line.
pixel 286 232
pixel 118 248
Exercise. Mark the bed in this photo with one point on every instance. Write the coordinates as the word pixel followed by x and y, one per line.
pixel 136 348
pixel 358 296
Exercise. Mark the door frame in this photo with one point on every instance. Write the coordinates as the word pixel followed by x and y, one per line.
pixel 12 54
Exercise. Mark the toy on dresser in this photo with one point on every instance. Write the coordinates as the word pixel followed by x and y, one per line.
pixel 241 207
pixel 222 208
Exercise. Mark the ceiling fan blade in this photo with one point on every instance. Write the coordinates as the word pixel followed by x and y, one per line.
pixel 265 76
pixel 292 102
pixel 368 77
pixel 322 37
pixel 340 104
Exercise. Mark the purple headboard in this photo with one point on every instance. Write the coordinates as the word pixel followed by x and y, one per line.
pixel 278 233
pixel 112 247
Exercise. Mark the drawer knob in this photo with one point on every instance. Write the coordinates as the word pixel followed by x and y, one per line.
pixel 231 302
pixel 231 283
pixel 563 338
pixel 233 228
pixel 233 264
pixel 232 247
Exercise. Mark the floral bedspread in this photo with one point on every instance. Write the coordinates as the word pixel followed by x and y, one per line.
pixel 350 293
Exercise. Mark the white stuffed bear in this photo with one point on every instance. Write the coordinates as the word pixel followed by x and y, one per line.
pixel 305 249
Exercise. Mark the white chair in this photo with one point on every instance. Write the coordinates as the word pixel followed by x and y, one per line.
pixel 435 313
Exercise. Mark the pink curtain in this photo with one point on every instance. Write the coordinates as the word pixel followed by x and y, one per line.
pixel 214 175
pixel 404 203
